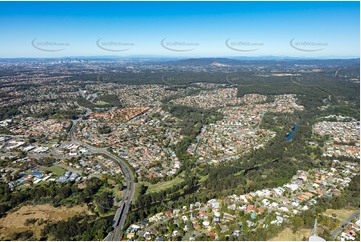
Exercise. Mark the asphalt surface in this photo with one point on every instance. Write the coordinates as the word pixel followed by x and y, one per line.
pixel 348 220
pixel 124 204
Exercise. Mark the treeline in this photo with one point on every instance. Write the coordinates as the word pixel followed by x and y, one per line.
pixel 105 129
pixel 81 227
pixel 315 89
pixel 178 78
pixel 54 193
pixel 226 180
pixel 124 77
pixel 344 108
pixel 61 114
pixel 9 111
pixel 190 92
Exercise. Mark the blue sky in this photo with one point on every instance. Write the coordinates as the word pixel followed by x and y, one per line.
pixel 330 29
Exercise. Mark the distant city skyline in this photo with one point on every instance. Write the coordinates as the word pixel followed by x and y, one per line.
pixel 180 29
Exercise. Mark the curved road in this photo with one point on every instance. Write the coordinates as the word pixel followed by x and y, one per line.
pixel 124 204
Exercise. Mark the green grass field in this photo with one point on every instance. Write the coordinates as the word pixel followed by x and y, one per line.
pixel 101 103
pixel 341 214
pixel 155 187
pixel 54 169
pixel 162 185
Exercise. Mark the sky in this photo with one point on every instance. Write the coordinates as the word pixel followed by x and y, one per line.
pixel 182 29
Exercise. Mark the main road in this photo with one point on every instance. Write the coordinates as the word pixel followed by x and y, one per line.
pixel 124 204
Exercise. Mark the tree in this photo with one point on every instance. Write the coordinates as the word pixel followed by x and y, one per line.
pixel 104 202
pixel 105 129
pixel 297 223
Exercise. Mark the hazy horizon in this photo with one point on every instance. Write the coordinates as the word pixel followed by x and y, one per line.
pixel 180 29
pixel 193 57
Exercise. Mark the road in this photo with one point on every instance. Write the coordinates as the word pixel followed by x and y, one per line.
pixel 232 84
pixel 165 82
pixel 348 220
pixel 124 204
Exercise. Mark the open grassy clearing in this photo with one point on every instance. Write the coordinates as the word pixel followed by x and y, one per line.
pixel 54 169
pixel 341 214
pixel 101 103
pixel 162 185
pixel 15 222
pixel 288 235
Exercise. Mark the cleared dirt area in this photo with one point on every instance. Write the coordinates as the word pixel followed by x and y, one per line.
pixel 288 235
pixel 33 218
